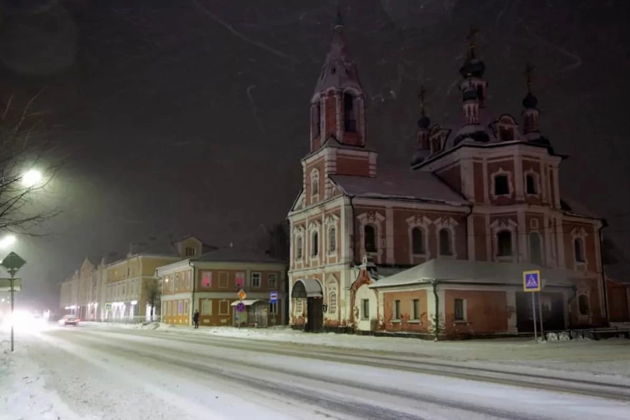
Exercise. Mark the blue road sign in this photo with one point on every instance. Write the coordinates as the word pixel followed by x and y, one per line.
pixel 273 297
pixel 531 281
pixel 240 307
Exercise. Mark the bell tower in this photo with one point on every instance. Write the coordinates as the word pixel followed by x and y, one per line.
pixel 338 103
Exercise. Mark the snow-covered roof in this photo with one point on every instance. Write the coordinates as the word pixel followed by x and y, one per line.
pixel 411 185
pixel 338 71
pixel 232 254
pixel 464 271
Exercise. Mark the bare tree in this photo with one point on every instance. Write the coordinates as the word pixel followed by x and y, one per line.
pixel 23 147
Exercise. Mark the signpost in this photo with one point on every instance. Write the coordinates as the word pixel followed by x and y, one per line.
pixel 12 263
pixel 532 284
pixel 241 294
pixel 5 284
pixel 273 297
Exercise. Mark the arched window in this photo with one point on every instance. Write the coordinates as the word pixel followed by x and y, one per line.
pixel 314 182
pixel 578 248
pixel 583 304
pixel 504 243
pixel 531 186
pixel 501 185
pixel 332 301
pixel 417 241
pixel 535 248
pixel 299 247
pixel 446 242
pixel 332 239
pixel 314 244
pixel 350 120
pixel 316 118
pixel 369 238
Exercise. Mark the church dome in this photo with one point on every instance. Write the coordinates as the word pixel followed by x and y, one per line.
pixel 530 101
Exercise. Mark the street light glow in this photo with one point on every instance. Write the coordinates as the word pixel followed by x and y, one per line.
pixel 32 178
pixel 6 241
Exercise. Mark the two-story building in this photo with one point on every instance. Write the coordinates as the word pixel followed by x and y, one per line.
pixel 210 283
pixel 439 247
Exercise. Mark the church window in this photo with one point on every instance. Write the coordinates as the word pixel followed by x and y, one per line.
pixel 332 301
pixel 350 121
pixel 578 248
pixel 365 309
pixel 299 247
pixel 314 182
pixel 190 251
pixel 531 184
pixel 332 239
pixel 417 241
pixel 501 185
pixel 535 248
pixel 369 233
pixel 314 244
pixel 583 304
pixel 316 118
pixel 504 243
pixel 446 242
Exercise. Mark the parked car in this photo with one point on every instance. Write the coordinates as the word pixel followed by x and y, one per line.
pixel 69 320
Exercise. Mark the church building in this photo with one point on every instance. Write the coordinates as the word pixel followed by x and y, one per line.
pixel 438 247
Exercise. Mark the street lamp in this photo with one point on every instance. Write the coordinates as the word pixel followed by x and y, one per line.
pixel 7 241
pixel 32 178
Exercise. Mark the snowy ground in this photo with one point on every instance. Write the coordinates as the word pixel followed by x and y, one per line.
pixel 99 371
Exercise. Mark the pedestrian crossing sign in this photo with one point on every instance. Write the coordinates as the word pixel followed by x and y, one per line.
pixel 531 281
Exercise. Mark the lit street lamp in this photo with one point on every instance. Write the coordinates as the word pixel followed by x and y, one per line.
pixel 32 178
pixel 7 241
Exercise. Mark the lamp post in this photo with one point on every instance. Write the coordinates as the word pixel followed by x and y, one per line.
pixel 12 263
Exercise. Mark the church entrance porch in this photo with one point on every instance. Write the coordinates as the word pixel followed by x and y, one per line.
pixel 311 290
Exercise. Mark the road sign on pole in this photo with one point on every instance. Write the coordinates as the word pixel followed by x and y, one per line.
pixel 531 281
pixel 12 263
pixel 273 297
pixel 5 284
pixel 241 294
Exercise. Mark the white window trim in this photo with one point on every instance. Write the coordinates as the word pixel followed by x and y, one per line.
pixel 314 180
pixel 314 227
pixel 394 319
pixel 579 233
pixel 501 225
pixel 446 223
pixel 298 233
pixel 422 223
pixel 332 221
pixel 500 172
pixel 377 220
pixel 464 310
pixel 536 176
pixel 251 278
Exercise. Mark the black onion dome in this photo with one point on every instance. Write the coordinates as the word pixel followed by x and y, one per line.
pixel 424 122
pixel 472 67
pixel 530 101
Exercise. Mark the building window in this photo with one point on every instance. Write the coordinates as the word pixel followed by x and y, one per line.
pixel 273 280
pixel 223 279
pixel 299 247
pixel 578 248
pixel 332 239
pixel 415 309
pixel 190 251
pixel 446 242
pixel 369 233
pixel 224 307
pixel 365 309
pixel 256 280
pixel 317 118
pixel 531 186
pixel 535 248
pixel 206 306
pixel 332 301
pixel 314 182
pixel 501 185
pixel 460 310
pixel 504 243
pixel 314 244
pixel 350 121
pixel 583 304
pixel 206 278
pixel 417 241
pixel 396 308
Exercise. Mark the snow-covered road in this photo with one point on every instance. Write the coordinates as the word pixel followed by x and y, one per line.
pixel 93 373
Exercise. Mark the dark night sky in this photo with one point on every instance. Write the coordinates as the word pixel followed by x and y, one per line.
pixel 190 116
